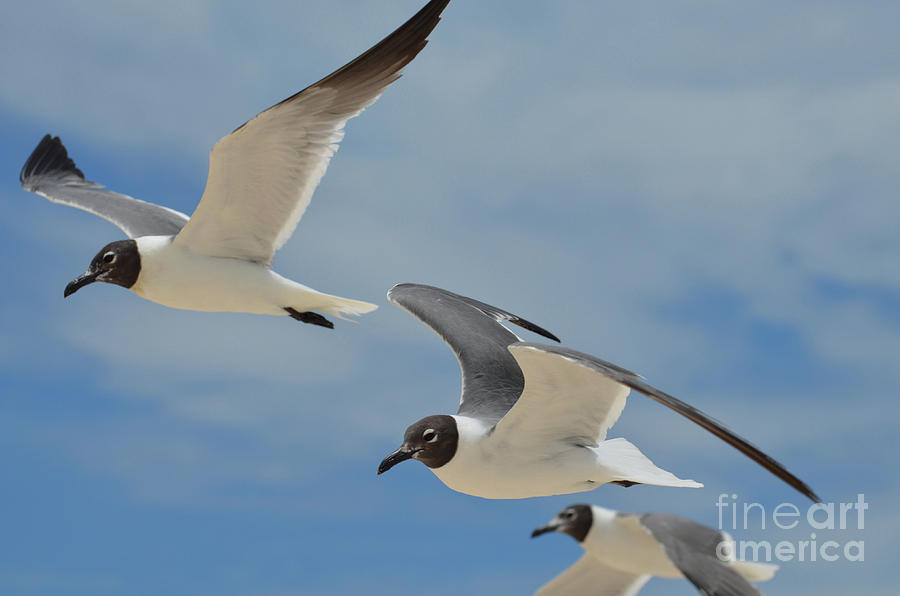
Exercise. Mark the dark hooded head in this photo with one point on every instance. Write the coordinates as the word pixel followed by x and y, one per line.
pixel 432 440
pixel 574 520
pixel 117 263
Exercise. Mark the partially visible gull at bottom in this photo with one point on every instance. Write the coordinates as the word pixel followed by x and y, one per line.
pixel 622 551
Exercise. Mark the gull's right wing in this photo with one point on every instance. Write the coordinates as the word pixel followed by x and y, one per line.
pixel 491 379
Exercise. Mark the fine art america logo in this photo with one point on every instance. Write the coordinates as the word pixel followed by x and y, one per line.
pixel 834 530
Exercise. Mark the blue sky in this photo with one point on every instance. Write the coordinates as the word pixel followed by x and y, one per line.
pixel 702 192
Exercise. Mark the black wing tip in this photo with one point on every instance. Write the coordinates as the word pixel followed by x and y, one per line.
pixel 395 51
pixel 693 414
pixel 809 494
pixel 779 471
pixel 724 433
pixel 50 156
pixel 401 46
pixel 533 328
pixel 427 17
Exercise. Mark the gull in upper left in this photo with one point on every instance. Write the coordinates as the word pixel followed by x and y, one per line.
pixel 261 179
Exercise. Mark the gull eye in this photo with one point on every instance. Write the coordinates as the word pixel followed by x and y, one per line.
pixel 430 435
pixel 568 515
pixel 109 257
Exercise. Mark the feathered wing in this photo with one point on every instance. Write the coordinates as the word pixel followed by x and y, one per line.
pixel 491 379
pixel 692 549
pixel 51 173
pixel 562 399
pixel 565 404
pixel 589 576
pixel 263 175
pixel 631 380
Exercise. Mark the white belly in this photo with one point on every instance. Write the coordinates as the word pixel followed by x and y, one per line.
pixel 510 481
pixel 178 278
pixel 486 469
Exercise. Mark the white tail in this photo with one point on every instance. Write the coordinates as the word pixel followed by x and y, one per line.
pixel 337 306
pixel 755 572
pixel 624 461
pixel 302 298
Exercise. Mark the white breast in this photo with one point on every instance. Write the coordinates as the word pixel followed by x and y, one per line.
pixel 179 278
pixel 490 469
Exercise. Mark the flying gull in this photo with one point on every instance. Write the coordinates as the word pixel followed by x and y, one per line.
pixel 533 418
pixel 261 179
pixel 624 550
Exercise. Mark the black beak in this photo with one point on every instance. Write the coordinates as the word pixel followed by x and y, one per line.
pixel 88 277
pixel 401 455
pixel 551 527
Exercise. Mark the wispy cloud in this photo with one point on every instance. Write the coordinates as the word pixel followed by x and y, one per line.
pixel 703 194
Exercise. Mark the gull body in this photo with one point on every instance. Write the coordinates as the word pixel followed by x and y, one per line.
pixel 533 418
pixel 261 179
pixel 623 551
pixel 174 276
pixel 492 467
pixel 621 542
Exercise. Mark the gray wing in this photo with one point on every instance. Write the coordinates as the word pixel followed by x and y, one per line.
pixel 491 379
pixel 263 175
pixel 636 382
pixel 589 576
pixel 692 548
pixel 50 173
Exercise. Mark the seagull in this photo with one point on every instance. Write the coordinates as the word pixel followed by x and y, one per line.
pixel 624 550
pixel 533 418
pixel 261 179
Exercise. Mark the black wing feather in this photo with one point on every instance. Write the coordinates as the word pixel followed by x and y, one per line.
pixel 637 383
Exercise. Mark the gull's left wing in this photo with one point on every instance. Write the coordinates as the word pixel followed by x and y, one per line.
pixel 562 399
pixel 583 396
pixel 51 173
pixel 263 175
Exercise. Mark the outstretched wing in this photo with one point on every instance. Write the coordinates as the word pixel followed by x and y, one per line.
pixel 562 400
pixel 558 391
pixel 692 549
pixel 50 173
pixel 589 576
pixel 491 379
pixel 263 175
